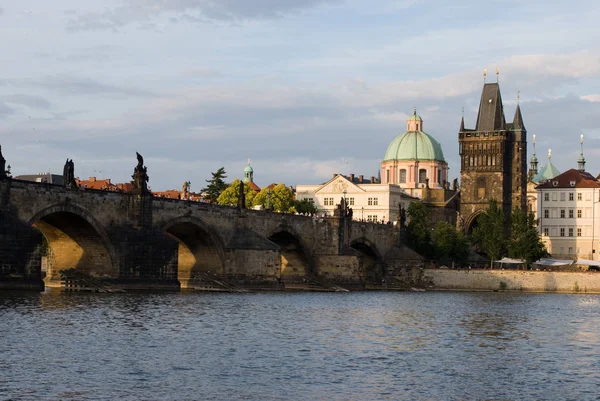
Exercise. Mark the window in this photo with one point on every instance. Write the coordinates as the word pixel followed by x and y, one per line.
pixel 571 196
pixel 351 201
pixel 579 197
pixel 387 176
pixel 546 213
pixel 570 213
pixel 402 176
pixel 546 231
pixel 554 196
pixel 562 213
pixel 562 232
pixel 570 232
pixel 570 249
pixel 578 213
pixel 328 201
pixel 546 196
pixel 562 196
pixel 579 232
pixel 422 176
pixel 372 218
pixel 370 202
pixel 375 201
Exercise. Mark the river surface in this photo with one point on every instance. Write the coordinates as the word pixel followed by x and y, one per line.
pixel 299 346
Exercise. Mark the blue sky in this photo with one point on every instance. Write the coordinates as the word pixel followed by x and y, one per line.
pixel 305 88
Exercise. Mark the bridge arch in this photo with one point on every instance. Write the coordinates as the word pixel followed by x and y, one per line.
pixel 296 257
pixel 371 261
pixel 77 240
pixel 201 249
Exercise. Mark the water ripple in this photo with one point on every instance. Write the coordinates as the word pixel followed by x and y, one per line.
pixel 357 346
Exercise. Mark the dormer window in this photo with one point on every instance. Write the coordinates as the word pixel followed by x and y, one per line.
pixel 572 184
pixel 554 183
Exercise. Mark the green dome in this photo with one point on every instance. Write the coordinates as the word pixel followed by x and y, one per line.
pixel 415 117
pixel 248 169
pixel 414 145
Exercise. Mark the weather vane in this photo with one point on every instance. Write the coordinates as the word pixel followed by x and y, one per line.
pixel 497 74
pixel 484 74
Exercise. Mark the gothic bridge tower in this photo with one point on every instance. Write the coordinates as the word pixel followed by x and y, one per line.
pixel 493 159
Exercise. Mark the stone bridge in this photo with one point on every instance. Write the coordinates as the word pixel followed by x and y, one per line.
pixel 139 241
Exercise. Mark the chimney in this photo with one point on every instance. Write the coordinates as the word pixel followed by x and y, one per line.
pixel 352 177
pixel 372 179
pixel 93 179
pixel 360 179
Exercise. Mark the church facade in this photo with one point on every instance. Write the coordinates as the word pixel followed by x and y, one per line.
pixel 493 159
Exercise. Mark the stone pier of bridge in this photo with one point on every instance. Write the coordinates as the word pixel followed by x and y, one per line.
pixel 136 241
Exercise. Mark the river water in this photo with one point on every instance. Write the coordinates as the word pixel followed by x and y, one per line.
pixel 299 346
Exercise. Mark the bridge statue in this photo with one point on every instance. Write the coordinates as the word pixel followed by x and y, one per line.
pixel 140 176
pixel 242 197
pixel 69 174
pixel 3 174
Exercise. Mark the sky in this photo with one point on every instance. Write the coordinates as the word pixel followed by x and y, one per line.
pixel 303 88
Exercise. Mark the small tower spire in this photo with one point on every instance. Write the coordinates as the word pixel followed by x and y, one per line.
pixel 581 160
pixel 462 121
pixel 533 163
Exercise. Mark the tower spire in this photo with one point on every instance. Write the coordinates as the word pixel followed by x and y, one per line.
pixel 581 160
pixel 533 163
pixel 462 121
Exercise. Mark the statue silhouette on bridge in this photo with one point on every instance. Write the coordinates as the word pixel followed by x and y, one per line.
pixel 3 174
pixel 140 176
pixel 69 174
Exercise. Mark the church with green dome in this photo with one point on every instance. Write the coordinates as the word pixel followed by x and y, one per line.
pixel 414 159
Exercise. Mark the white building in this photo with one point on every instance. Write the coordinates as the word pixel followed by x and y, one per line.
pixel 569 214
pixel 369 201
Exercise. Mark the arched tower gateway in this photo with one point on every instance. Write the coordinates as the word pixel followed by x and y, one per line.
pixel 493 159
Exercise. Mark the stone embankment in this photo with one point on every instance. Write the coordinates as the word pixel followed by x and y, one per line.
pixel 513 280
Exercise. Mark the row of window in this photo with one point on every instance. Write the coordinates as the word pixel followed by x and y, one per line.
pixel 422 176
pixel 373 201
pixel 565 231
pixel 563 196
pixel 571 213
pixel 329 201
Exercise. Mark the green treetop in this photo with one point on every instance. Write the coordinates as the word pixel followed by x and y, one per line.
pixel 525 242
pixel 215 186
pixel 489 233
pixel 230 196
pixel 281 199
pixel 449 243
pixel 418 230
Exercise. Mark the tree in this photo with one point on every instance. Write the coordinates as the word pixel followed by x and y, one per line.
pixel 230 196
pixel 215 186
pixel 449 243
pixel 489 233
pixel 417 230
pixel 305 206
pixel 281 199
pixel 525 242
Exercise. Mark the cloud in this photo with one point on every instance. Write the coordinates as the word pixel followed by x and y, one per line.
pixel 143 11
pixel 591 98
pixel 77 85
pixel 31 101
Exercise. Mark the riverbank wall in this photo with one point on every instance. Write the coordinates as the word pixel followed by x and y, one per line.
pixel 513 280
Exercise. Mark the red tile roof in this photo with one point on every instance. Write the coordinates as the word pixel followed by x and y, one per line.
pixel 581 179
